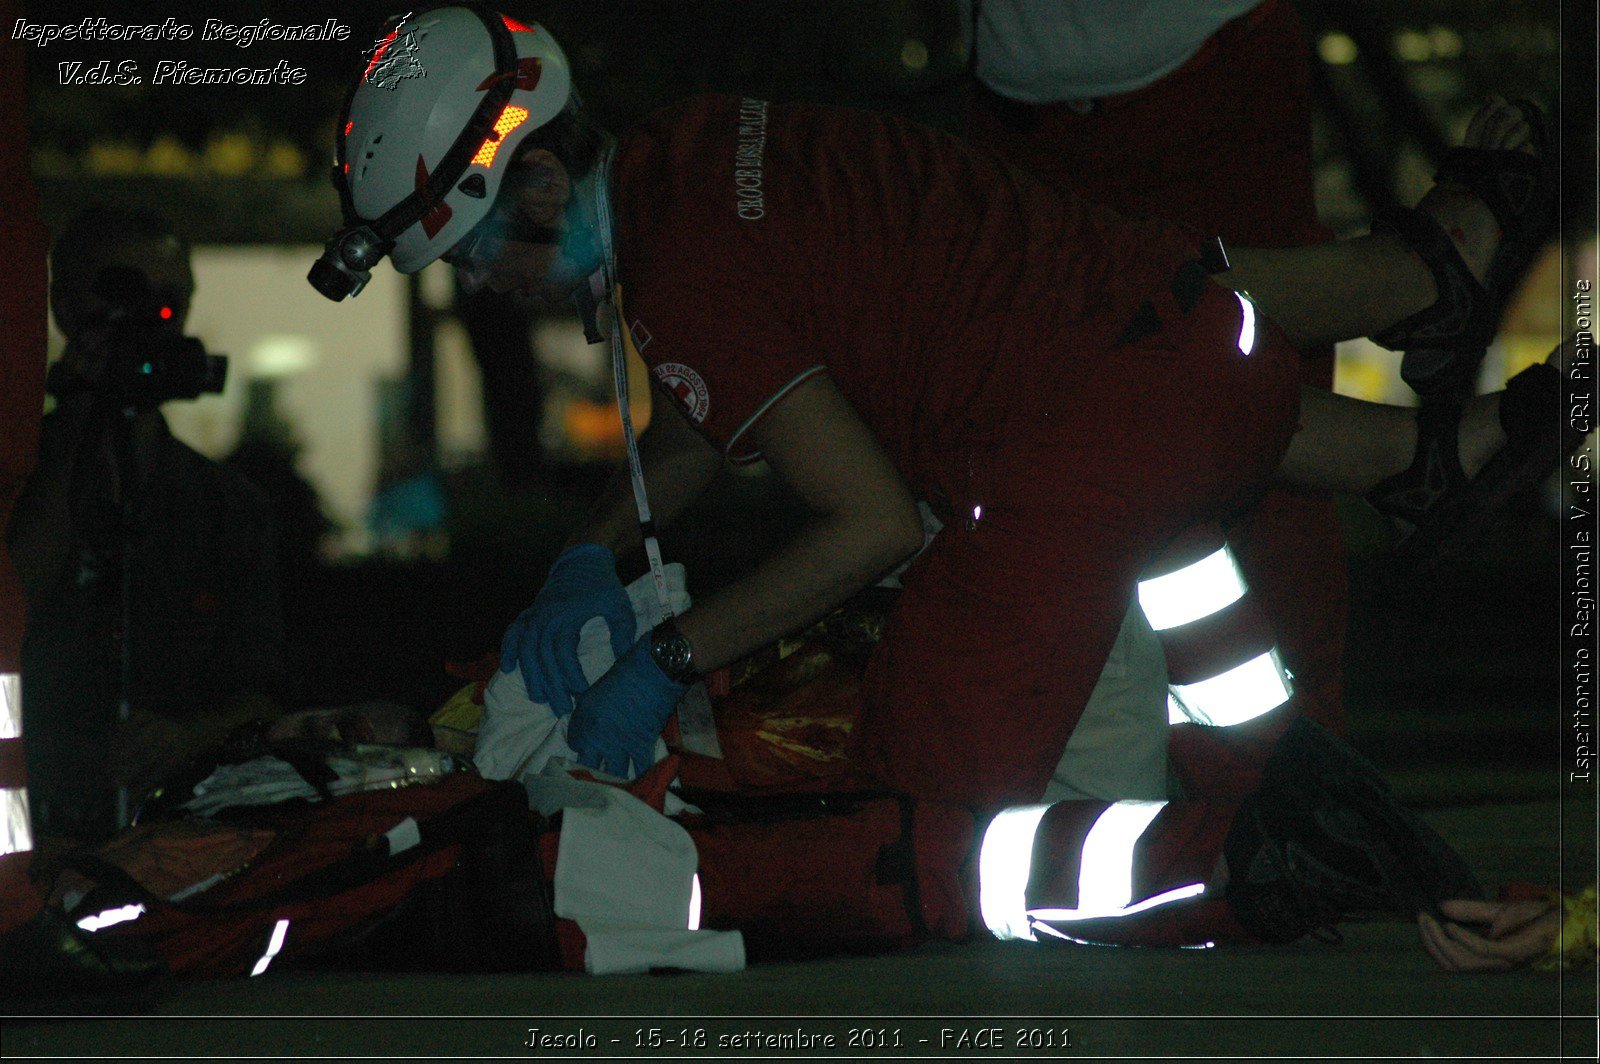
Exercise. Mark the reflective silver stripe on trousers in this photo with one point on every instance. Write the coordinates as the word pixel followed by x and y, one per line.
pixel 1200 590
pixel 10 705
pixel 1105 870
pixel 16 831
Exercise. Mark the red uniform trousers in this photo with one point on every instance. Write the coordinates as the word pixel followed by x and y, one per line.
pixel 1006 620
pixel 1222 144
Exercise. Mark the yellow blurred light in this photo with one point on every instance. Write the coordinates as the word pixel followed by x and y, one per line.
pixel 1446 42
pixel 1527 350
pixel 282 355
pixel 595 430
pixel 230 155
pixel 283 160
pixel 914 55
pixel 1412 46
pixel 168 158
pixel 1363 370
pixel 114 159
pixel 1336 49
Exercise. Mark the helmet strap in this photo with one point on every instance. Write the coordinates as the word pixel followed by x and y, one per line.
pixel 586 301
pixel 590 242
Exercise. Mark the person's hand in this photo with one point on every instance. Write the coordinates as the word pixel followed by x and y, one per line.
pixel 1508 934
pixel 620 717
pixel 543 640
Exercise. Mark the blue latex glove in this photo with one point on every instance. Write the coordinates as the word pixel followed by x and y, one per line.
pixel 543 640
pixel 621 716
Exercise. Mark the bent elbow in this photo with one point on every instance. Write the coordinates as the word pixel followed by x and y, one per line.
pixel 905 533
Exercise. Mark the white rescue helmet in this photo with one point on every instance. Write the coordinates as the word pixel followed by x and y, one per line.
pixel 428 132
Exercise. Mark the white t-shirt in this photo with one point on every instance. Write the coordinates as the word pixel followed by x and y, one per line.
pixel 1048 51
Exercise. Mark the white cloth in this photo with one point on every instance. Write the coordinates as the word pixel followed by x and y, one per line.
pixel 641 920
pixel 518 736
pixel 1050 51
pixel 633 922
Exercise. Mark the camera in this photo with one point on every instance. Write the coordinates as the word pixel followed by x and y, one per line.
pixel 148 361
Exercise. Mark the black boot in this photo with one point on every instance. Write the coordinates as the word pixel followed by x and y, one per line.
pixel 1323 838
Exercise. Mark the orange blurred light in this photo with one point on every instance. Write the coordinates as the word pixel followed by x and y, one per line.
pixel 595 431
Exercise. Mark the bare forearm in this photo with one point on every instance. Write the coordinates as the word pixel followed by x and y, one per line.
pixel 1346 445
pixel 1324 293
pixel 866 523
pixel 831 559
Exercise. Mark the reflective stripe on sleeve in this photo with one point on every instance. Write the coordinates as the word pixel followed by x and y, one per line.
pixel 111 917
pixel 1247 326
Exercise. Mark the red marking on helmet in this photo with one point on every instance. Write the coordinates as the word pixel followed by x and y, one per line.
pixel 377 53
pixel 348 126
pixel 438 212
pixel 528 73
pixel 514 26
pixel 166 313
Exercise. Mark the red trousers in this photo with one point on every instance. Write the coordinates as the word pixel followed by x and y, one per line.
pixel 1223 144
pixel 1006 620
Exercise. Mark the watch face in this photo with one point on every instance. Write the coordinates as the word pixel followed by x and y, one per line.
pixel 673 655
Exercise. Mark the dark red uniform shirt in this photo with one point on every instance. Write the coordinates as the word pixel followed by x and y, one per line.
pixel 759 244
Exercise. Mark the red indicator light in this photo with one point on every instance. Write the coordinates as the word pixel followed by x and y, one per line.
pixel 166 313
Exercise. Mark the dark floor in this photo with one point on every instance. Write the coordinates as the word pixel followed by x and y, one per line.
pixel 1376 994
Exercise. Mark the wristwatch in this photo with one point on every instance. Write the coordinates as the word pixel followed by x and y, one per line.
pixel 670 650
